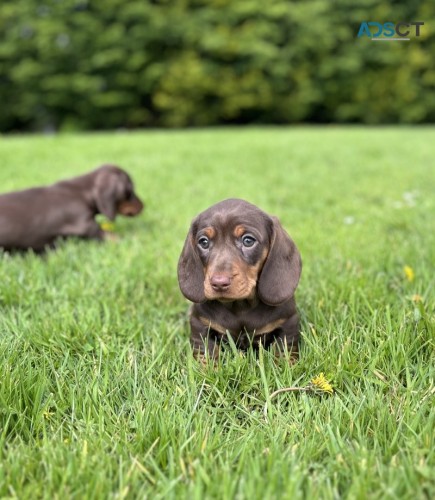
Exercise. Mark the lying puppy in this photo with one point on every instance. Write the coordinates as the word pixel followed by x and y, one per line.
pixel 34 218
pixel 241 269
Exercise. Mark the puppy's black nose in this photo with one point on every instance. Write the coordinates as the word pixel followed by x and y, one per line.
pixel 220 282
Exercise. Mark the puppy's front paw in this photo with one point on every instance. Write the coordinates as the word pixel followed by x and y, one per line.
pixel 290 353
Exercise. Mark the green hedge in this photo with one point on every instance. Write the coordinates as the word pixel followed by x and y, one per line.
pixel 96 64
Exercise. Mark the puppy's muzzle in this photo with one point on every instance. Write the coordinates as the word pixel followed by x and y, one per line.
pixel 220 282
pixel 130 208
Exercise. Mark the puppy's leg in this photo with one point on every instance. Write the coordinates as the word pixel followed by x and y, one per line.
pixel 82 228
pixel 287 340
pixel 93 231
pixel 202 341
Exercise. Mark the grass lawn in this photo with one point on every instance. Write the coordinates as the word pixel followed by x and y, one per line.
pixel 99 395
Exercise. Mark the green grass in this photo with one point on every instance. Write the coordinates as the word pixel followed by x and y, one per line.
pixel 99 395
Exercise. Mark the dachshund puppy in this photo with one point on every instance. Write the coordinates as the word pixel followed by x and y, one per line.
pixel 241 269
pixel 35 218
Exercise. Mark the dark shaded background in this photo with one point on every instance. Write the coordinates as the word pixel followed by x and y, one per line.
pixel 103 64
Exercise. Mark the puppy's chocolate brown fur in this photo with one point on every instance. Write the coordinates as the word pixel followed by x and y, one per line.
pixel 36 217
pixel 240 269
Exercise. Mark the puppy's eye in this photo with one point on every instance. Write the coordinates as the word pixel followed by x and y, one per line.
pixel 204 242
pixel 248 240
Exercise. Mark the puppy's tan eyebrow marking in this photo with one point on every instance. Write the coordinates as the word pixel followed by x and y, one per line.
pixel 210 232
pixel 239 231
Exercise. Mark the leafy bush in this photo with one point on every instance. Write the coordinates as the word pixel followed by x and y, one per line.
pixel 93 64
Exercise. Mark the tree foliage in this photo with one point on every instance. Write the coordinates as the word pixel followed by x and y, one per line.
pixel 94 64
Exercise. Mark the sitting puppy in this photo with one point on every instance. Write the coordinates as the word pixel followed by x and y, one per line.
pixel 241 269
pixel 34 218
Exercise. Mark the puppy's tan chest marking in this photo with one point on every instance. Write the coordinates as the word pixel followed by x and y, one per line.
pixel 268 328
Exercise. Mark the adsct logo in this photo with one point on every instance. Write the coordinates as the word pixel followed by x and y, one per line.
pixel 390 32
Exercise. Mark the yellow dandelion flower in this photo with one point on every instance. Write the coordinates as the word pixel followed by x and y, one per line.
pixel 417 298
pixel 47 414
pixel 317 384
pixel 107 226
pixel 320 383
pixel 409 273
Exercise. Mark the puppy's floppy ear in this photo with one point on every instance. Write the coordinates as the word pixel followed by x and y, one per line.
pixel 282 269
pixel 190 270
pixel 106 193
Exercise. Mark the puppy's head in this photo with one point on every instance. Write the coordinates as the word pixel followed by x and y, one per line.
pixel 235 251
pixel 114 193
